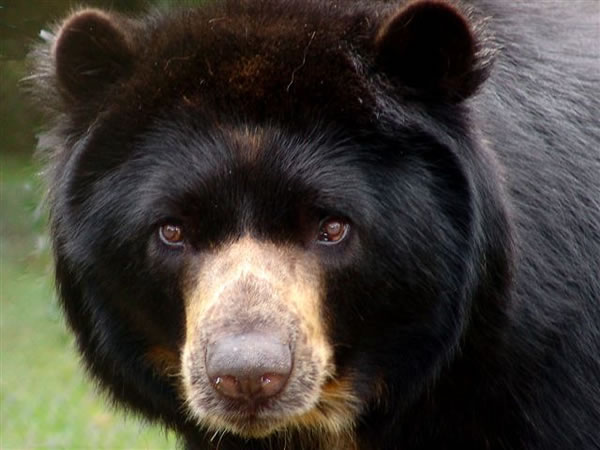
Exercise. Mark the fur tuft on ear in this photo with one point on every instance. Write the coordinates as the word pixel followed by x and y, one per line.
pixel 429 46
pixel 91 52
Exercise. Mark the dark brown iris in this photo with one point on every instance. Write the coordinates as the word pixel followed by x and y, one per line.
pixel 171 234
pixel 333 230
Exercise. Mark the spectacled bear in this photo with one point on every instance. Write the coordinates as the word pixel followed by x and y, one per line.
pixel 341 225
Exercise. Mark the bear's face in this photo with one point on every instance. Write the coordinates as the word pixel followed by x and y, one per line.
pixel 254 213
pixel 256 354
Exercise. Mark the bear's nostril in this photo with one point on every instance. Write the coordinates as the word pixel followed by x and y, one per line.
pixel 272 383
pixel 227 385
pixel 249 366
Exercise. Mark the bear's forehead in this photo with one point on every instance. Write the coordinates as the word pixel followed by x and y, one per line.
pixel 257 67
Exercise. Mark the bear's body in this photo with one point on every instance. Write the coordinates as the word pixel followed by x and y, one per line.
pixel 354 225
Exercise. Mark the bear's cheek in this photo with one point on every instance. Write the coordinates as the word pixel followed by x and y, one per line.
pixel 257 356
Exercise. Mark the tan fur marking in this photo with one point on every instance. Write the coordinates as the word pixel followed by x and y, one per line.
pixel 296 282
pixel 248 141
pixel 381 391
pixel 283 289
pixel 163 360
pixel 337 410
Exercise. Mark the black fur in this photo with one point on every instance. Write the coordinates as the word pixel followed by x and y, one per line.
pixel 466 304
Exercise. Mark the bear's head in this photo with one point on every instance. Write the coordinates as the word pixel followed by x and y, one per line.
pixel 271 217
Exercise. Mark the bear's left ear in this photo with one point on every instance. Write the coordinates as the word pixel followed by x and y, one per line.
pixel 92 51
pixel 430 48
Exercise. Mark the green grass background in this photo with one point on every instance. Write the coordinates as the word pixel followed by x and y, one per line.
pixel 47 401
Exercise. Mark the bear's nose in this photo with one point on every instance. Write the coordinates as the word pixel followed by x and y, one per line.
pixel 248 367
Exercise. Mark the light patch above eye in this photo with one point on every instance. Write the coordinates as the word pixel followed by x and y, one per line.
pixel 333 230
pixel 171 234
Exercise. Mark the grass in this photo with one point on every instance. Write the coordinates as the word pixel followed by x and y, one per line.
pixel 46 400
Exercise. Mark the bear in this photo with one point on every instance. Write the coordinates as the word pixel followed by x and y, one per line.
pixel 358 225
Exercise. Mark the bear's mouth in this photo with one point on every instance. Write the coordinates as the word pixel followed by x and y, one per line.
pixel 250 425
pixel 335 412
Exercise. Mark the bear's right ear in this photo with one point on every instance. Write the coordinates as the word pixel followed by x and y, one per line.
pixel 91 52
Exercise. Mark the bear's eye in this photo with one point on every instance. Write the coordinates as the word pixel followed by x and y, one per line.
pixel 171 234
pixel 332 230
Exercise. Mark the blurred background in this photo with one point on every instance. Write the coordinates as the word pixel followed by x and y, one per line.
pixel 46 400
